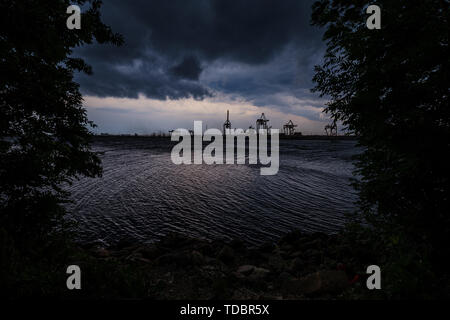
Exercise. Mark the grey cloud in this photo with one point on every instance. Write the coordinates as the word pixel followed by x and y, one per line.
pixel 188 68
pixel 171 46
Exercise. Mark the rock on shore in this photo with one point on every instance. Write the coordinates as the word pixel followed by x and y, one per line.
pixel 298 266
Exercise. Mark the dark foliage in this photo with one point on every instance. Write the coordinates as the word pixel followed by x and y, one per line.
pixel 390 87
pixel 44 131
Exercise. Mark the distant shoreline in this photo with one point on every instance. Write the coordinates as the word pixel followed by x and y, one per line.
pixel 317 137
pixel 282 137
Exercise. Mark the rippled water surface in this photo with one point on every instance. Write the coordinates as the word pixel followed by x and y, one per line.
pixel 143 195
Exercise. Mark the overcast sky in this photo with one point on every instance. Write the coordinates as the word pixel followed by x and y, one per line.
pixel 186 60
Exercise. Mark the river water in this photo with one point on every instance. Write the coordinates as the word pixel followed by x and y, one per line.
pixel 143 196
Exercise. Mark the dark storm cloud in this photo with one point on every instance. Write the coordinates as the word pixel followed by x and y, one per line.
pixel 139 77
pixel 189 68
pixel 251 31
pixel 171 43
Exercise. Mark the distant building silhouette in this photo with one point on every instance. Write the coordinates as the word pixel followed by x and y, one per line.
pixel 227 123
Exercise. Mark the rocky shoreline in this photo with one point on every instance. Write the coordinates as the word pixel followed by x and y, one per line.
pixel 298 266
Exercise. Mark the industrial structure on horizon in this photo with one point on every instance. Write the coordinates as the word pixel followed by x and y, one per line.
pixel 262 123
pixel 227 123
pixel 289 128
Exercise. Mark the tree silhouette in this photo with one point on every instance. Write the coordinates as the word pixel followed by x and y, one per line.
pixel 390 87
pixel 44 130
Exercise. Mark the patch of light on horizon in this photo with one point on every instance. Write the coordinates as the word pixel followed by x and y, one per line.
pixel 145 115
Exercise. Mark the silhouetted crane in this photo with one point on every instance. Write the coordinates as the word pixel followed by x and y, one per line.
pixel 261 123
pixel 289 128
pixel 227 123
